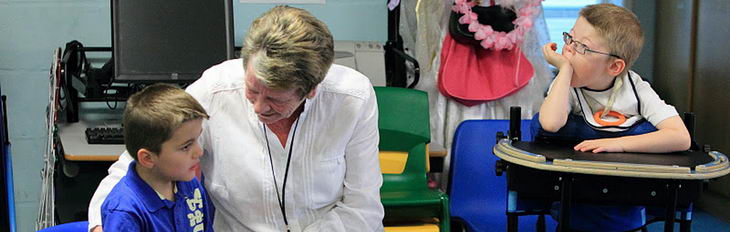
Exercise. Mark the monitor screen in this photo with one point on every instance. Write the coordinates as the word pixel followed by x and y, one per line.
pixel 169 40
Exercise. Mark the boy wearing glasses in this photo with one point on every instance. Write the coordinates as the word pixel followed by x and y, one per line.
pixel 596 100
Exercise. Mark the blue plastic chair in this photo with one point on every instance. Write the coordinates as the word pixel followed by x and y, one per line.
pixel 6 172
pixel 479 198
pixel 81 226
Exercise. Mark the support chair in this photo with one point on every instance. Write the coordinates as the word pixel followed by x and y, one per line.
pixel 683 215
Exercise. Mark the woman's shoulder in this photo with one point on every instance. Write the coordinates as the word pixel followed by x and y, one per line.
pixel 228 74
pixel 344 80
pixel 221 77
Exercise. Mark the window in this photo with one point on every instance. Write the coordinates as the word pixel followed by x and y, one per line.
pixel 560 15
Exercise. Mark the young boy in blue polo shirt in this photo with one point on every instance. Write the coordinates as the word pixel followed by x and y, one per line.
pixel 162 124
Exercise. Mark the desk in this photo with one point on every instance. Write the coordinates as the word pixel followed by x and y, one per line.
pixel 82 167
pixel 75 147
pixel 554 172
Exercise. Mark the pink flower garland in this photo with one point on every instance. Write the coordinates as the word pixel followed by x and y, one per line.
pixel 497 39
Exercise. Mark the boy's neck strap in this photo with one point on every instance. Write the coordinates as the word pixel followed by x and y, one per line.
pixel 617 84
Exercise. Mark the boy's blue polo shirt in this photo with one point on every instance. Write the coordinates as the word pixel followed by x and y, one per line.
pixel 133 205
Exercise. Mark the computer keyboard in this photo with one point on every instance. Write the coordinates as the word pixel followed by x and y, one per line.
pixel 105 135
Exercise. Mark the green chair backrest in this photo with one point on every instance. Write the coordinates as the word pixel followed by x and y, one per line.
pixel 403 123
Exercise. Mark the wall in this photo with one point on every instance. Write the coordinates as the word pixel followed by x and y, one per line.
pixel 711 83
pixel 691 59
pixel 646 12
pixel 347 19
pixel 672 62
pixel 31 29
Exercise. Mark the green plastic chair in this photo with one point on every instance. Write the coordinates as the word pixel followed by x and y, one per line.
pixel 404 126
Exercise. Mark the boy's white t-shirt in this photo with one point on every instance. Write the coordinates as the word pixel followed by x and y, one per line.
pixel 635 99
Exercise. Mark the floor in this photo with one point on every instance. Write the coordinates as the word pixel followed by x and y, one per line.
pixel 711 214
pixel 701 222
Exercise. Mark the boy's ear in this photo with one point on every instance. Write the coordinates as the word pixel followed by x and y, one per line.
pixel 616 67
pixel 146 158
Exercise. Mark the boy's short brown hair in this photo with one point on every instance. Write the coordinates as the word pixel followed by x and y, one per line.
pixel 619 27
pixel 153 114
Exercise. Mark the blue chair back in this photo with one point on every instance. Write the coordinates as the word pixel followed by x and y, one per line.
pixel 82 226
pixel 7 199
pixel 478 196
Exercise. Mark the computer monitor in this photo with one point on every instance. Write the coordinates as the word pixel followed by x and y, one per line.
pixel 169 40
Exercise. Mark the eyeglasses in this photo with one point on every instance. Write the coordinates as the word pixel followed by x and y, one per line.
pixel 582 48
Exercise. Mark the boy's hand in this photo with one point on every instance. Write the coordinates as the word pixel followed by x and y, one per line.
pixel 600 145
pixel 552 57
